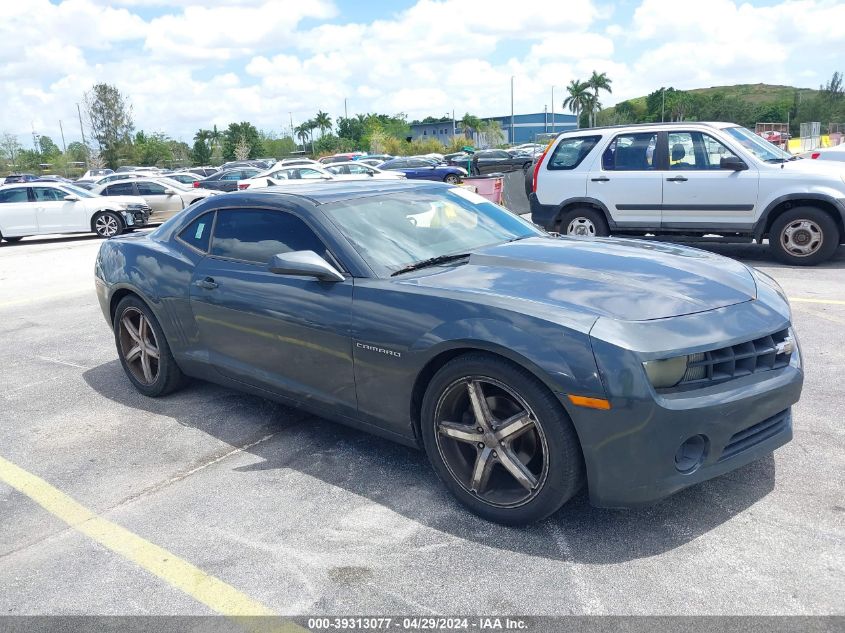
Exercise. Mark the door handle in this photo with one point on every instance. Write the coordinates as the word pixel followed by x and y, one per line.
pixel 208 283
pixel 678 179
pixel 600 179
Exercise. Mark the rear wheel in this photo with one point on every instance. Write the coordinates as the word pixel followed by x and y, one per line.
pixel 452 179
pixel 804 236
pixel 107 224
pixel 12 240
pixel 584 223
pixel 499 440
pixel 143 350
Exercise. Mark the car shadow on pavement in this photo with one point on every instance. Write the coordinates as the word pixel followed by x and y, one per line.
pixel 400 478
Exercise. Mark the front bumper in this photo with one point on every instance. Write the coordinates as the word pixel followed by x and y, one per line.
pixel 544 215
pixel 630 450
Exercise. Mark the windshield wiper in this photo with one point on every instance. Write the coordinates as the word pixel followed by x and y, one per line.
pixel 433 261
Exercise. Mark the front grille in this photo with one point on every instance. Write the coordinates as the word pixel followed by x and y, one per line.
pixel 736 361
pixel 761 431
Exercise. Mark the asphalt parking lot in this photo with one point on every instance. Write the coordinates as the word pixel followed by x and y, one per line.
pixel 301 516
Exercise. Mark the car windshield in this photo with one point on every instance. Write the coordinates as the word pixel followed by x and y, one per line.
pixel 78 191
pixel 175 184
pixel 758 146
pixel 402 228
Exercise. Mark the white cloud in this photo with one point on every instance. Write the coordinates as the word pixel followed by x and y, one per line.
pixel 201 62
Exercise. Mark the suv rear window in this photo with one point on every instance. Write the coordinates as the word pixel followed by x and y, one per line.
pixel 571 151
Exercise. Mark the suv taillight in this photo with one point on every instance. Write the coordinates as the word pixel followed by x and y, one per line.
pixel 196 184
pixel 815 154
pixel 243 186
pixel 537 166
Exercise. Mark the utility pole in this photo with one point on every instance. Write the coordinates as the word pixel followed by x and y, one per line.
pixel 545 119
pixel 553 109
pixel 64 147
pixel 82 132
pixel 34 137
pixel 512 138
pixel 454 127
pixel 291 126
pixel 345 113
pixel 663 103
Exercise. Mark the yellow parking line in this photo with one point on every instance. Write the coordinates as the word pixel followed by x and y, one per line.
pixel 179 573
pixel 836 302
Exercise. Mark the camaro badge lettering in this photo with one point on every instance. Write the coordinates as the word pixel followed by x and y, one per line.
pixel 380 350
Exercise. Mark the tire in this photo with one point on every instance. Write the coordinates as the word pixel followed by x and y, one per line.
pixel 584 222
pixel 804 236
pixel 107 224
pixel 452 179
pixel 164 374
pixel 546 446
pixel 526 166
pixel 12 240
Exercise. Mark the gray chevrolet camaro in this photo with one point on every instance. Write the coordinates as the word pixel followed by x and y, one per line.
pixel 525 364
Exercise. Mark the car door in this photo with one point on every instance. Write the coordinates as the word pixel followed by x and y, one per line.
pixel 625 179
pixel 490 161
pixel 285 333
pixel 18 214
pixel 420 169
pixel 57 215
pixel 164 205
pixel 698 194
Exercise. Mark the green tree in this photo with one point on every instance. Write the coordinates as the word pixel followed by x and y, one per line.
pixel 323 121
pixel 9 150
pixel 577 99
pixel 48 148
pixel 597 81
pixel 243 131
pixel 302 131
pixel 109 117
pixel 151 149
pixel 201 151
pixel 77 152
pixel 470 124
pixel 352 128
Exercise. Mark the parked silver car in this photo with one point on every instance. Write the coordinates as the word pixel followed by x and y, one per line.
pixel 164 196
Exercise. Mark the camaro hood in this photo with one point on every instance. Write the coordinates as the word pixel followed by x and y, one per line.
pixel 622 279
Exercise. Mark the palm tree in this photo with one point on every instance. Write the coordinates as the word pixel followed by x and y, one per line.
pixel 214 138
pixel 312 125
pixel 470 124
pixel 323 121
pixel 578 98
pixel 302 132
pixel 598 81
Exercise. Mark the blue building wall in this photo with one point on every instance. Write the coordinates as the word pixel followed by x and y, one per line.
pixel 526 127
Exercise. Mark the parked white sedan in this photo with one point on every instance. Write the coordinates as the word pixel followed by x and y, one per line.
pixel 357 168
pixel 310 173
pixel 42 208
pixel 164 196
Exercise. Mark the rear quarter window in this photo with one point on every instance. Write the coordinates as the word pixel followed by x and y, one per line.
pixel 570 152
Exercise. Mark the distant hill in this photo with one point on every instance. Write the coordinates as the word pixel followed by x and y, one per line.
pixel 743 103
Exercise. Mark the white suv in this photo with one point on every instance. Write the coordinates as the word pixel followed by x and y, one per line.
pixel 40 208
pixel 690 179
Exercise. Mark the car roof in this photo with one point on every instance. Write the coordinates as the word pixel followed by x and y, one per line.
pixel 667 124
pixel 325 192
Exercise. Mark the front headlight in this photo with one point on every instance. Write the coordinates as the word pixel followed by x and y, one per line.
pixel 667 372
pixel 767 280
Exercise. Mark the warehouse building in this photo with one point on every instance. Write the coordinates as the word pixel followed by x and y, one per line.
pixel 526 127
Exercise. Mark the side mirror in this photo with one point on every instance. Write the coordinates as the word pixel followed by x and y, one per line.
pixel 734 163
pixel 304 263
pixel 71 197
pixel 169 192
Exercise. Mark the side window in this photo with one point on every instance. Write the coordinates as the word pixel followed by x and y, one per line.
pixel 16 194
pixel 311 174
pixel 714 151
pixel 500 154
pixel 255 236
pixel 630 152
pixel 234 175
pixel 122 189
pixel 48 194
pixel 684 149
pixel 570 152
pixel 198 232
pixel 150 189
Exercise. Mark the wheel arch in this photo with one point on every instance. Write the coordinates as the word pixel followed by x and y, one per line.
pixel 579 203
pixel 100 212
pixel 461 348
pixel 781 205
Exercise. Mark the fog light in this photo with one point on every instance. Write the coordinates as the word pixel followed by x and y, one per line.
pixel 691 453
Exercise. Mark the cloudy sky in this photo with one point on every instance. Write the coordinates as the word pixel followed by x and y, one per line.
pixel 187 64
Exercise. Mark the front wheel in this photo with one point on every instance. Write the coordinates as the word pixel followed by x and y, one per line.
pixel 452 179
pixel 804 236
pixel 499 440
pixel 108 224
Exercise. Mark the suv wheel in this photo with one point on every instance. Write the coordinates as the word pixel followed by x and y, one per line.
pixel 584 223
pixel 804 236
pixel 499 440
